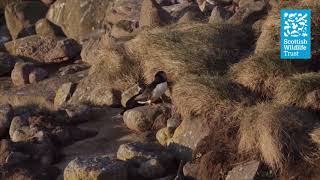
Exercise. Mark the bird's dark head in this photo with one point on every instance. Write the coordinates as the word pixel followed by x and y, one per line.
pixel 160 76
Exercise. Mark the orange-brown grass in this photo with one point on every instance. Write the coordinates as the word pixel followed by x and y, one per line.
pixel 278 134
pixel 261 73
pixel 206 96
pixel 193 48
pixel 294 90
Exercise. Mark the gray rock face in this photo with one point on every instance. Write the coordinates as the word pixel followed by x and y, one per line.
pixel 37 75
pixel 6 115
pixel 141 118
pixel 20 73
pixel 95 168
pixel 79 19
pixel 20 16
pixel 246 171
pixel 6 63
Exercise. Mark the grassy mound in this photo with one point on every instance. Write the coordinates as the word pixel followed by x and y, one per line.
pixel 278 134
pixel 261 73
pixel 294 91
pixel 192 48
pixel 206 96
pixel 112 75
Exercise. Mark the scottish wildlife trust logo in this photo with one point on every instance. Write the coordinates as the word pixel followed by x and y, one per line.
pixel 295 34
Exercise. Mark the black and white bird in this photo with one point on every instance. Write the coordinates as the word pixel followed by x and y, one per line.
pixel 155 90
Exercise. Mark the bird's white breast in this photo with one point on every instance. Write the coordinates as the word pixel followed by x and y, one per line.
pixel 159 90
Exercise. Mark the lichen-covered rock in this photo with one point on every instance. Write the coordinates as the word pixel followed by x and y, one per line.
pixel 25 133
pixel 141 118
pixel 95 168
pixel 37 75
pixel 79 19
pixel 44 49
pixel 63 94
pixel 6 115
pixel 6 63
pixel 162 136
pixel 21 16
pixel 140 152
pixel 17 123
pixel 20 73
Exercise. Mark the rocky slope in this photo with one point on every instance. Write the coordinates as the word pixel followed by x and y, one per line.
pixel 69 70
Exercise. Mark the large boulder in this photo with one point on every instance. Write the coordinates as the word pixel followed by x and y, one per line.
pixel 44 49
pixel 6 115
pixel 79 20
pixel 141 118
pixel 95 168
pixel 21 16
pixel 6 63
pixel 20 73
pixel 187 137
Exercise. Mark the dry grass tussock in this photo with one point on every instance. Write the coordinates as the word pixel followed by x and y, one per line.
pixel 278 134
pixel 192 48
pixel 294 90
pixel 261 73
pixel 207 96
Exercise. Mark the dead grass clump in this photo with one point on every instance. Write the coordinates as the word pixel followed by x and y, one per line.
pixel 206 96
pixel 261 73
pixel 279 134
pixel 294 90
pixel 192 48
pixel 107 79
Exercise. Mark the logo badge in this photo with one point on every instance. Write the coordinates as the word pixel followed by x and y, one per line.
pixel 295 34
